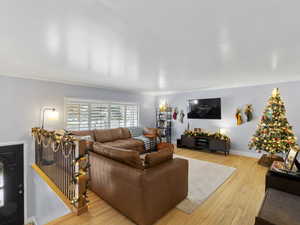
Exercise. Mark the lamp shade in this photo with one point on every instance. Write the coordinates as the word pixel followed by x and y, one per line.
pixel 52 115
pixel 47 114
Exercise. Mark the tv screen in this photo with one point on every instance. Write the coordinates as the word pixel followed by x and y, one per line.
pixel 205 108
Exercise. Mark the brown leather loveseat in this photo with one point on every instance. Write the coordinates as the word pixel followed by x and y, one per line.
pixel 141 189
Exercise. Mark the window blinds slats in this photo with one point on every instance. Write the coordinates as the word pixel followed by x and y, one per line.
pixel 131 116
pixel 96 115
pixel 77 116
pixel 99 116
pixel 117 116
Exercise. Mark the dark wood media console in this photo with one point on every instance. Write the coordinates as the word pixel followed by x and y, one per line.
pixel 205 143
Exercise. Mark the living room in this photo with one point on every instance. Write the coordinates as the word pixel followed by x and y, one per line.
pixel 138 112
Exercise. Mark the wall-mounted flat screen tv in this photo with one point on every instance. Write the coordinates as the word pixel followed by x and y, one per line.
pixel 205 108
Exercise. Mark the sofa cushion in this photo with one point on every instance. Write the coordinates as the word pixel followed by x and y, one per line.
pixel 126 133
pixel 128 143
pixel 117 133
pixel 128 157
pixel 84 133
pixel 136 131
pixel 103 135
pixel 154 158
pixel 279 208
pixel 107 135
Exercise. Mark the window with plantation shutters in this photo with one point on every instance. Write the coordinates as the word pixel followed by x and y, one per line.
pixel 77 116
pixel 87 115
pixel 99 116
pixel 131 116
pixel 117 115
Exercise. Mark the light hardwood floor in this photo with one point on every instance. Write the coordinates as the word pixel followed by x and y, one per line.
pixel 236 202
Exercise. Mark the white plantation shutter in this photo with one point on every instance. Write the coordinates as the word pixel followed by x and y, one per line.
pixel 99 116
pixel 131 116
pixel 87 115
pixel 117 116
pixel 77 116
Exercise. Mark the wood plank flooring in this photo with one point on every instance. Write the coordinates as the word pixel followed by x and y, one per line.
pixel 236 202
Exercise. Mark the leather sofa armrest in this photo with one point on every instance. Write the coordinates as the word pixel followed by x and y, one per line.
pixel 152 132
pixel 164 186
pixel 160 172
pixel 116 168
pixel 176 169
pixel 283 183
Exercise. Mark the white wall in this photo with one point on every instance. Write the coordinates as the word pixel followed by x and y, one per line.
pixel 44 204
pixel 233 98
pixel 20 103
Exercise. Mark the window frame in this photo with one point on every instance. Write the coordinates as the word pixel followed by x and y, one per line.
pixel 93 101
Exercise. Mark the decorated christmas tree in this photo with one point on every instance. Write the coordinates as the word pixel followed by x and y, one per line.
pixel 274 134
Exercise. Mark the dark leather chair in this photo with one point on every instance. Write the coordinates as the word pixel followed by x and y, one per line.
pixel 281 205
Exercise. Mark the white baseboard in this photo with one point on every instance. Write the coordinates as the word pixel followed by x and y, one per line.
pixel 247 153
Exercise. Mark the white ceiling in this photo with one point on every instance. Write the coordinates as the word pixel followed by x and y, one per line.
pixel 151 46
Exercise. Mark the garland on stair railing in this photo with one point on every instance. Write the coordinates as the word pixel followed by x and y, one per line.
pixel 55 140
pixel 83 164
pixel 67 143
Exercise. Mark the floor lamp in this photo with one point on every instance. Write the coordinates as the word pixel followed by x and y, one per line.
pixel 51 112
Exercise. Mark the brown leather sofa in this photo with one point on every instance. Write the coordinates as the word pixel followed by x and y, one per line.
pixel 141 189
pixel 117 137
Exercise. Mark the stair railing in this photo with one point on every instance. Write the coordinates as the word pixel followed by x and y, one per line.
pixel 64 159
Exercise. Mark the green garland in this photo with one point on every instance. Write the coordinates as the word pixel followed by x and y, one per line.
pixel 63 138
pixel 216 135
pixel 54 136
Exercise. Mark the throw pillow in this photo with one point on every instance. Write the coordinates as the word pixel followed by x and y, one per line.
pixel 129 157
pixel 155 158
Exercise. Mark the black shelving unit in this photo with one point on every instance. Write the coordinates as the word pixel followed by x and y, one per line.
pixel 164 124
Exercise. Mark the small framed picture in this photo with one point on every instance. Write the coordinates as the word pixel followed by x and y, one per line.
pixel 291 157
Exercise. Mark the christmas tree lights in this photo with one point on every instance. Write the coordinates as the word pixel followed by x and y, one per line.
pixel 274 133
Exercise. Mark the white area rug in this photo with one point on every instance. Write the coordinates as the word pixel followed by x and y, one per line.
pixel 204 179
